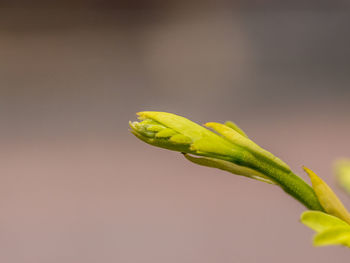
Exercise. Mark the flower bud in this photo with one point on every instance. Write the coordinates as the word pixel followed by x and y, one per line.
pixel 230 150
pixel 177 133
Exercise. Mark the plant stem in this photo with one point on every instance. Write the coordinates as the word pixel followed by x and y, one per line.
pixel 292 185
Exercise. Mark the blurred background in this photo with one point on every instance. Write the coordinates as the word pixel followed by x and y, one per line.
pixel 76 186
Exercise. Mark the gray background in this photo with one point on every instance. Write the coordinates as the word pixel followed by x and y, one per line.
pixel 76 186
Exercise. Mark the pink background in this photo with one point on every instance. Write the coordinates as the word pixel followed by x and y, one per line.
pixel 76 186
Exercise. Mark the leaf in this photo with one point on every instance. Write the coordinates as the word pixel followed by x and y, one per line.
pixel 333 236
pixel 328 199
pixel 230 167
pixel 320 221
pixel 243 142
pixel 235 127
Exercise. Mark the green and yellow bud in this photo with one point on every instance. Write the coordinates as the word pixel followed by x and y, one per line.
pixel 177 133
pixel 229 149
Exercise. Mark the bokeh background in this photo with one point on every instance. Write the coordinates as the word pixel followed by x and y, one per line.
pixel 76 186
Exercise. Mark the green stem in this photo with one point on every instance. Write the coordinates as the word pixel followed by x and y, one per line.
pixel 292 185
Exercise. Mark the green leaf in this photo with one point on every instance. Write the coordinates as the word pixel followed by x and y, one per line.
pixel 234 126
pixel 333 236
pixel 320 221
pixel 241 141
pixel 330 229
pixel 328 199
pixel 229 167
